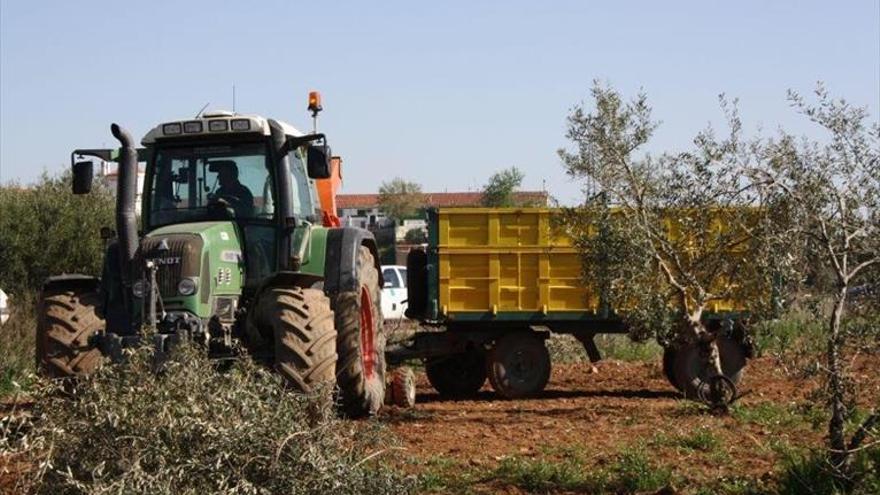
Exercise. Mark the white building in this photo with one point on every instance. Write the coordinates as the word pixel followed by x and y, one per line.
pixel 110 175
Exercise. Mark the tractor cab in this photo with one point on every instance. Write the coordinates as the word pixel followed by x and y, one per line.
pixel 227 202
pixel 229 168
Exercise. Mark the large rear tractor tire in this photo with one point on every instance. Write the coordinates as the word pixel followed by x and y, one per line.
pixel 519 365
pixel 691 374
pixel 305 340
pixel 457 376
pixel 360 371
pixel 66 321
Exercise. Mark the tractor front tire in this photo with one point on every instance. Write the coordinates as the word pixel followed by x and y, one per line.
pixel 305 340
pixel 403 387
pixel 360 371
pixel 66 321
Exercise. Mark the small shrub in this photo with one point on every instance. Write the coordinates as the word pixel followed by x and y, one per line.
pixel 630 472
pixel 193 429
pixel 701 439
pixel 17 349
pixel 565 349
pixel 416 236
pixel 544 476
pixel 779 415
pixel 633 472
pixel 623 348
pixel 810 473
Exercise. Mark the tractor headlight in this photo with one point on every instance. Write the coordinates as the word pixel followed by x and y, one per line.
pixel 137 288
pixel 187 287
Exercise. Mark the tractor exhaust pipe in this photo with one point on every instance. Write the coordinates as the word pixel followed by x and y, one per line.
pixel 126 188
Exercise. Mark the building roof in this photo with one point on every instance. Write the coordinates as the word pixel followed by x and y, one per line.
pixel 440 199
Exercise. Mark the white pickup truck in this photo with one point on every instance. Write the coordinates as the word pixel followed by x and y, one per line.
pixel 394 291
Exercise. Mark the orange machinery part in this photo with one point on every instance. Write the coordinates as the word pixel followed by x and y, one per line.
pixel 327 193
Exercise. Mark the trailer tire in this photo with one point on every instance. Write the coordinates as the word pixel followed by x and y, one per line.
pixel 66 321
pixel 669 356
pixel 690 373
pixel 519 365
pixel 305 339
pixel 459 375
pixel 360 371
pixel 403 387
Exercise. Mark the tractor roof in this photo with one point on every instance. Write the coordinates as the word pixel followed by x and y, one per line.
pixel 212 124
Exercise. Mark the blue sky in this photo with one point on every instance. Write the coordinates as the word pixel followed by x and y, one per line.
pixel 441 93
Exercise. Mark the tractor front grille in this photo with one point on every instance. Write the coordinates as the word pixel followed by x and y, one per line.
pixel 176 256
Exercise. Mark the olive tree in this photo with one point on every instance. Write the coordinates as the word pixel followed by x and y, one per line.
pixel 399 198
pixel 833 193
pixel 670 237
pixel 498 191
pixel 46 230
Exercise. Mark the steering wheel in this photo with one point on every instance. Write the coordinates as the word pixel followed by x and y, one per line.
pixel 229 199
pixel 222 204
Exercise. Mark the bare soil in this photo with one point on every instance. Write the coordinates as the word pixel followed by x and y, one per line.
pixel 595 415
pixel 623 404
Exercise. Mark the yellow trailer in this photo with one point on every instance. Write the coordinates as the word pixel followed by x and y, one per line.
pixel 507 261
pixel 497 281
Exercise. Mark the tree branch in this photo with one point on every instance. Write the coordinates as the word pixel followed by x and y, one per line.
pixel 865 429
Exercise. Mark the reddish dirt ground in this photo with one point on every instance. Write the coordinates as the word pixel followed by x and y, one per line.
pixel 623 404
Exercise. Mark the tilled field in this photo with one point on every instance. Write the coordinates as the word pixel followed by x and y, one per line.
pixel 592 416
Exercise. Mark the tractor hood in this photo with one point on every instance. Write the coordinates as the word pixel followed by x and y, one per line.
pixel 208 254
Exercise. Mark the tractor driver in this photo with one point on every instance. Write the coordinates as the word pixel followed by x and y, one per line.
pixel 231 190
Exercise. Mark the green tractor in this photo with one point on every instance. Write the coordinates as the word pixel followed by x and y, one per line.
pixel 233 248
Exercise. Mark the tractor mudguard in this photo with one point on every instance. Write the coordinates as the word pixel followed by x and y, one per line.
pixel 286 278
pixel 71 281
pixel 340 264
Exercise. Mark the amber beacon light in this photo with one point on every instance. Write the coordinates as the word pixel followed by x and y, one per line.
pixel 315 103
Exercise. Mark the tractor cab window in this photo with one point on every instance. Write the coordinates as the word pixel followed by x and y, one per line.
pixel 189 182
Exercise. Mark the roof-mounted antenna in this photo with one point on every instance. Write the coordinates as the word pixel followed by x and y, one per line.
pixel 202 110
pixel 233 97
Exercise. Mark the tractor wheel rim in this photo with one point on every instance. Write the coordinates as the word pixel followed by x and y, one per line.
pixel 368 351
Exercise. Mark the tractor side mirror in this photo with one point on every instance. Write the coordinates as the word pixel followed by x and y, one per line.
pixel 83 173
pixel 319 161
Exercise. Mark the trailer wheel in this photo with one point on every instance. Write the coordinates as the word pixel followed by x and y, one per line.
pixel 403 387
pixel 66 321
pixel 305 340
pixel 360 371
pixel 691 374
pixel 519 365
pixel 459 375
pixel 669 355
